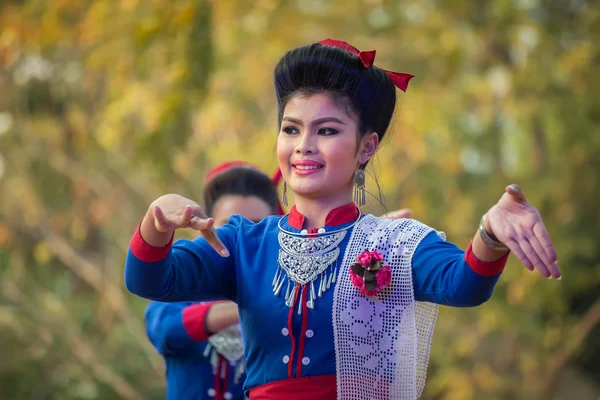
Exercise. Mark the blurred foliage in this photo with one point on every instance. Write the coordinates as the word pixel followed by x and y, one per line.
pixel 107 105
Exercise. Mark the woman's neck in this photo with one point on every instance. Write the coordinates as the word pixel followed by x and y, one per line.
pixel 315 211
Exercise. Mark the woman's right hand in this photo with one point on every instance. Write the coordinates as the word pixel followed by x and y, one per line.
pixel 171 212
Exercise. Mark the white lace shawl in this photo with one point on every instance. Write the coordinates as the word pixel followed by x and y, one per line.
pixel 382 342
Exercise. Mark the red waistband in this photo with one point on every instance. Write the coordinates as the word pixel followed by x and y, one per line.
pixel 306 388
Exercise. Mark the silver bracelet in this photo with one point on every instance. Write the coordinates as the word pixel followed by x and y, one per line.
pixel 490 242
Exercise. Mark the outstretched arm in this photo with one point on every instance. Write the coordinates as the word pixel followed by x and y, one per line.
pixel 444 274
pixel 188 270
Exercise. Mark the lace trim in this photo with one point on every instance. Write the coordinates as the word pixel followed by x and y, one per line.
pixel 383 339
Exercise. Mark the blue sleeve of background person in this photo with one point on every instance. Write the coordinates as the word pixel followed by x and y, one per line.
pixel 165 329
pixel 191 271
pixel 442 276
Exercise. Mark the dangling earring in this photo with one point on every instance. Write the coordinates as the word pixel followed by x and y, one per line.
pixel 284 195
pixel 360 196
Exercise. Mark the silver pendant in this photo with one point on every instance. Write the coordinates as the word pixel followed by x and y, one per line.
pixel 306 261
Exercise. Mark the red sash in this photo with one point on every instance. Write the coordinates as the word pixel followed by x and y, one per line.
pixel 322 387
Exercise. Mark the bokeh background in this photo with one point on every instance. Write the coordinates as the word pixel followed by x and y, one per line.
pixel 107 104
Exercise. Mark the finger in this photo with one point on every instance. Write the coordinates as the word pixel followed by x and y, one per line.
pixel 518 252
pixel 542 238
pixel 186 217
pixel 540 232
pixel 549 264
pixel 161 222
pixel 201 224
pixel 398 214
pixel 533 257
pixel 210 234
pixel 515 191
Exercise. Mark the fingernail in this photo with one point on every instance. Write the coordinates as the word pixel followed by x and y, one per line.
pixel 225 253
pixel 559 278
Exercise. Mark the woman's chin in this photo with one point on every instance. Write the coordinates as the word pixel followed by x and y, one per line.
pixel 307 192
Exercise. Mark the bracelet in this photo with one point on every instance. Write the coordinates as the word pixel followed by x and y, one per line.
pixel 489 240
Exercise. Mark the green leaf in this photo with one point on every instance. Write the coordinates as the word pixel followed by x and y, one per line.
pixel 375 267
pixel 358 269
pixel 370 277
pixel 370 285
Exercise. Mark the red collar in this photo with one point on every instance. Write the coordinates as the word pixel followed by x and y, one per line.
pixel 338 216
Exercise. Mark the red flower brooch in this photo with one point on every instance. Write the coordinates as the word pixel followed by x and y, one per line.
pixel 369 274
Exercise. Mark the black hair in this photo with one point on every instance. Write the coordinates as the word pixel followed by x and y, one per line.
pixel 369 92
pixel 240 181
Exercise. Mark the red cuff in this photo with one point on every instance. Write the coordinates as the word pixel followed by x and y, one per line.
pixel 194 321
pixel 146 253
pixel 485 268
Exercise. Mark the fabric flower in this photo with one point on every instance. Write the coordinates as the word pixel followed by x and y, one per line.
pixel 377 256
pixel 384 277
pixel 356 280
pixel 364 258
pixel 368 274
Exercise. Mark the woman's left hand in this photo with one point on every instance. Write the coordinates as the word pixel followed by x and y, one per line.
pixel 519 226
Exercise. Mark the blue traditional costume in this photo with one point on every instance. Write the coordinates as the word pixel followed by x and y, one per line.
pixel 309 333
pixel 200 366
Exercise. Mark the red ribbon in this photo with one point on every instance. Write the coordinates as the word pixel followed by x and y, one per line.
pixel 367 58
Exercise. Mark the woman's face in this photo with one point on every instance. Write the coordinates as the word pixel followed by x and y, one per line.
pixel 318 148
pixel 250 207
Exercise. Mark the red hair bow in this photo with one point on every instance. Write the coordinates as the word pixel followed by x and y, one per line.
pixel 400 79
pixel 226 166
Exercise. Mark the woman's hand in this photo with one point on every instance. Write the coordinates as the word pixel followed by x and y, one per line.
pixel 398 214
pixel 519 226
pixel 171 212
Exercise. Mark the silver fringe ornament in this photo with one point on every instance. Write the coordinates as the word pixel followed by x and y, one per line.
pixel 284 199
pixel 360 195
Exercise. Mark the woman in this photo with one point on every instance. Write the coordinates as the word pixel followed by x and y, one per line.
pixel 323 318
pixel 202 343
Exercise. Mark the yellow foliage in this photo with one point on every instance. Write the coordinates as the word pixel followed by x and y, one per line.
pixel 79 229
pixel 516 292
pixel 466 344
pixel 459 385
pixel 485 378
pixel 42 253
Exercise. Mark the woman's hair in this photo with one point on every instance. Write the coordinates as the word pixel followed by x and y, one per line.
pixel 240 180
pixel 366 91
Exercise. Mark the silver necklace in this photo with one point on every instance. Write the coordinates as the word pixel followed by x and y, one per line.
pixel 305 260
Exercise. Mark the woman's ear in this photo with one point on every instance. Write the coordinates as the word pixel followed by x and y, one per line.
pixel 368 146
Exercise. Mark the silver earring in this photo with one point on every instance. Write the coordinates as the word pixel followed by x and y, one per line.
pixel 360 195
pixel 284 195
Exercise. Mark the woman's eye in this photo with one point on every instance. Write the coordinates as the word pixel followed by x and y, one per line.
pixel 327 131
pixel 290 130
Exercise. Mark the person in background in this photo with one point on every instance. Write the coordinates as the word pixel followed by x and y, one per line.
pixel 201 342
